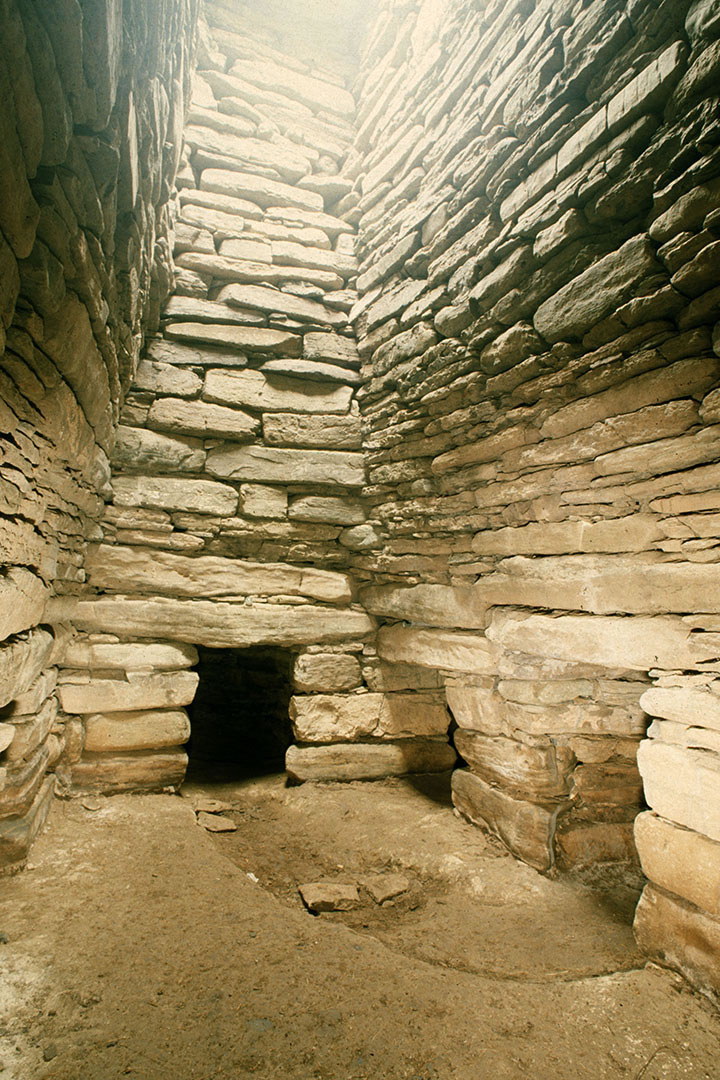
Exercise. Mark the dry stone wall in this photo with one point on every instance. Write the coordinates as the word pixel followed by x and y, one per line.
pixel 538 325
pixel 238 467
pixel 91 111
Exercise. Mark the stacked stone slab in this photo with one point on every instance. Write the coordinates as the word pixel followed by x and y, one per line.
pixel 538 243
pixel 91 111
pixel 238 468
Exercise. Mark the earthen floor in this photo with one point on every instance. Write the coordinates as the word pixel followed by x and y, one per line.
pixel 140 945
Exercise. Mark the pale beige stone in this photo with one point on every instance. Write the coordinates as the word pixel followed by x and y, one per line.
pixel 327 718
pixel 525 827
pixel 148 451
pixel 21 661
pixel 679 860
pixel 326 432
pixel 634 533
pixel 555 692
pixel 679 936
pixel 451 651
pixel 137 730
pixel 23 596
pixel 688 736
pixel 158 378
pixel 368 761
pixel 297 86
pixel 130 656
pixel 329 896
pixel 682 785
pixel 263 501
pixel 333 509
pixel 118 695
pixel 203 419
pixel 407 715
pixel 253 390
pixel 242 187
pixel 315 672
pixel 30 731
pixel 149 770
pixel 274 301
pixel 429 605
pixel 638 643
pixel 246 338
pixel 169 493
pixel 136 569
pixel 697 707
pixel 531 772
pixel 219 625
pixel 331 468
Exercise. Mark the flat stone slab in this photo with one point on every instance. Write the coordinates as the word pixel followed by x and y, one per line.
pixel 329 896
pixel 246 338
pixel 275 393
pixel 384 887
pixel 216 822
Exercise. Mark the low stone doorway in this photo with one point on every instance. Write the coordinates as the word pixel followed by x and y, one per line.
pixel 239 720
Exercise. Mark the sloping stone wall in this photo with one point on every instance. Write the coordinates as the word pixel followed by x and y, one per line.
pixel 538 248
pixel 238 469
pixel 91 111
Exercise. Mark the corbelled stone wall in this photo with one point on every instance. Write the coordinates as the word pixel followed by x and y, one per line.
pixel 434 407
pixel 91 111
pixel 538 245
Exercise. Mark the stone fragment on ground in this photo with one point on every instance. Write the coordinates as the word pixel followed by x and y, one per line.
pixel 329 896
pixel 384 887
pixel 216 822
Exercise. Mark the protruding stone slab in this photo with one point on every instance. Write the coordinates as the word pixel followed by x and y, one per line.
pixel 202 418
pixel 275 393
pixel 18 833
pixel 274 301
pixel 680 936
pixel 140 450
pixel 445 649
pixel 331 349
pixel 246 338
pixel 428 605
pixel 168 493
pixel 332 509
pixel 136 730
pixel 149 770
pixel 220 625
pixel 525 827
pixel 534 772
pixel 326 672
pixel 368 761
pixel 118 695
pixel 256 189
pixel 130 656
pixel 113 568
pixel 682 785
pixel 270 465
pixel 22 658
pixel 680 861
pixel 327 432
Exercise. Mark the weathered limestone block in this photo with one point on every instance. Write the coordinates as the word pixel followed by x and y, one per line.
pixel 684 735
pixel 247 338
pixel 157 691
pixel 679 860
pixel 598 785
pixel 220 625
pixel 601 584
pixel 289 253
pixel 598 291
pixel 17 834
pixel 526 828
pixel 159 378
pixel 407 715
pixel 315 672
pixel 150 770
pixel 263 501
pixel 634 533
pixel 681 936
pixel 331 348
pixel 308 369
pixel 214 149
pixel 431 605
pixel 23 781
pixel 333 509
pixel 23 596
pixel 28 732
pixel 168 493
pixel 34 697
pixel 695 707
pixel 268 465
pixel 682 785
pixel 438 649
pixel 582 845
pixel 247 272
pixel 140 450
pixel 21 660
pixel 138 730
pixel 130 656
pixel 329 896
pixel 476 707
pixel 202 418
pixel 330 718
pixel 256 189
pixel 329 432
pixel 253 390
pixel 275 302
pixel 368 761
pixel 137 569
pixel 315 93
pixel 638 643
pixel 7 736
pixel 380 675
pixel 555 692
pixel 533 772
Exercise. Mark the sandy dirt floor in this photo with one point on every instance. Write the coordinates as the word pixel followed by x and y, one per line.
pixel 139 944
